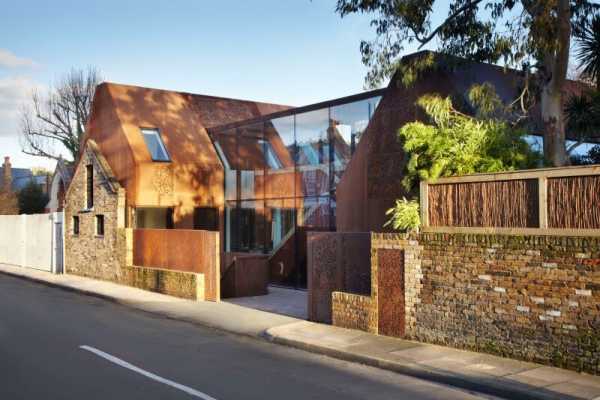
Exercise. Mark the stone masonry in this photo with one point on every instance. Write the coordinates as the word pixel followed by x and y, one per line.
pixel 535 298
pixel 87 254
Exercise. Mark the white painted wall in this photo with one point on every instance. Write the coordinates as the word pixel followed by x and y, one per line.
pixel 32 241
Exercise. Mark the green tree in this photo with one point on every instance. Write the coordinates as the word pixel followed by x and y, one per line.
pixel 32 199
pixel 516 32
pixel 588 51
pixel 454 143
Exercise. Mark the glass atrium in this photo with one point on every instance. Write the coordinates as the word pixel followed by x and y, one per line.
pixel 281 173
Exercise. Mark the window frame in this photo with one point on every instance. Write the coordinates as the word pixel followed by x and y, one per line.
pixel 75 229
pixel 161 143
pixel 99 225
pixel 89 186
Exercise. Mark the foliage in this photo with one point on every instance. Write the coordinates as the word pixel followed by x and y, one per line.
pixel 514 31
pixel 531 35
pixel 583 115
pixel 457 144
pixel 592 157
pixel 59 116
pixel 404 216
pixel 588 52
pixel 32 199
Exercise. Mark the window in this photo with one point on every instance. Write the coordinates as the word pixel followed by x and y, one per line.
pixel 272 160
pixel 155 145
pixel 99 225
pixel 206 218
pixel 89 169
pixel 75 225
pixel 154 218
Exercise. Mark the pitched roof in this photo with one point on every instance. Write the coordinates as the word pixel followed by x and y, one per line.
pixel 20 178
pixel 182 119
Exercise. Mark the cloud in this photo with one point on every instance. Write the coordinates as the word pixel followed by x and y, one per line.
pixel 10 60
pixel 14 92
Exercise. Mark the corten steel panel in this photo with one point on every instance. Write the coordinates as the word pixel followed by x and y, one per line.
pixel 247 275
pixel 180 250
pixel 372 180
pixel 194 176
pixel 390 292
pixel 336 262
pixel 574 202
pixel 501 204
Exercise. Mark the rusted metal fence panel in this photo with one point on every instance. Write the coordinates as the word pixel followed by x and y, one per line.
pixel 543 201
pixel 181 250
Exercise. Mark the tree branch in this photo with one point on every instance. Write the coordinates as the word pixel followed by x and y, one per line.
pixel 452 16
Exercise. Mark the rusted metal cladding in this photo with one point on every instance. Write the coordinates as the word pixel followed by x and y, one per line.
pixel 180 250
pixel 390 292
pixel 574 202
pixel 336 262
pixel 502 204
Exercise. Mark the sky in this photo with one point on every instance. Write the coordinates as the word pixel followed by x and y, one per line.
pixel 292 52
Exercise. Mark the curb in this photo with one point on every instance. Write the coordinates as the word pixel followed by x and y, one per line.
pixel 487 386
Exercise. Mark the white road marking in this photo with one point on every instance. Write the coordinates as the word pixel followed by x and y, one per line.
pixel 125 364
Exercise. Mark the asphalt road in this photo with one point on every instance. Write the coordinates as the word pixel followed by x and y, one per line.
pixel 56 344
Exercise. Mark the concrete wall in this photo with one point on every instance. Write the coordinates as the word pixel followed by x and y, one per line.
pixel 32 241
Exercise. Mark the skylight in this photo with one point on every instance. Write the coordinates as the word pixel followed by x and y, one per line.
pixel 155 145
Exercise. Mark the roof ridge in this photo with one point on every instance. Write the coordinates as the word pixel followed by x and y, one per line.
pixel 205 96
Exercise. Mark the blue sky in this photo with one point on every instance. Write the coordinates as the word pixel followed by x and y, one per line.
pixel 292 52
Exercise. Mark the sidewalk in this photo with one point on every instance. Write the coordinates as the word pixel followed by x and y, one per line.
pixel 473 371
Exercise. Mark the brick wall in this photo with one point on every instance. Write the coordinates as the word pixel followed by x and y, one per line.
pixel 352 311
pixel 535 298
pixel 86 253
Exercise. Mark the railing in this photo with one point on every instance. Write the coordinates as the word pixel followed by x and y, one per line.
pixel 181 250
pixel 543 201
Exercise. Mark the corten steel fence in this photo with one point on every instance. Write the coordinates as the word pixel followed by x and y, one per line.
pixel 181 250
pixel 545 201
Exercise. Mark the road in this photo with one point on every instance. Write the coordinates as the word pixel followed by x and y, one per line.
pixel 56 344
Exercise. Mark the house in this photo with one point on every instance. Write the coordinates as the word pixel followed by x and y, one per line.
pixel 63 173
pixel 260 174
pixel 13 180
pixel 8 198
pixel 147 162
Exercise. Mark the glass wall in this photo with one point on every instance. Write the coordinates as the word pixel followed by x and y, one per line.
pixel 280 180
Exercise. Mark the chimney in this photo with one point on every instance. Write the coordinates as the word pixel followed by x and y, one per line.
pixel 7 181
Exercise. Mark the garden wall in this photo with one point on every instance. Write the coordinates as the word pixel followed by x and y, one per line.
pixel 535 298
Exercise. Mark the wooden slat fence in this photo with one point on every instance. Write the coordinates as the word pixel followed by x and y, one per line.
pixel 181 250
pixel 551 200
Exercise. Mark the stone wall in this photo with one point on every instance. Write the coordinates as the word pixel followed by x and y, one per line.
pixel 187 285
pixel 88 254
pixel 535 298
pixel 352 311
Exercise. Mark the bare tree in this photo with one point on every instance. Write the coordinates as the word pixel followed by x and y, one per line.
pixel 59 117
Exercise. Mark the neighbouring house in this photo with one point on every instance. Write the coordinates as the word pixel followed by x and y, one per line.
pixel 261 175
pixel 63 173
pixel 13 180
pixel 8 199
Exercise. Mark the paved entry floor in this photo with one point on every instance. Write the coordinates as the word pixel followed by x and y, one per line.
pixel 280 300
